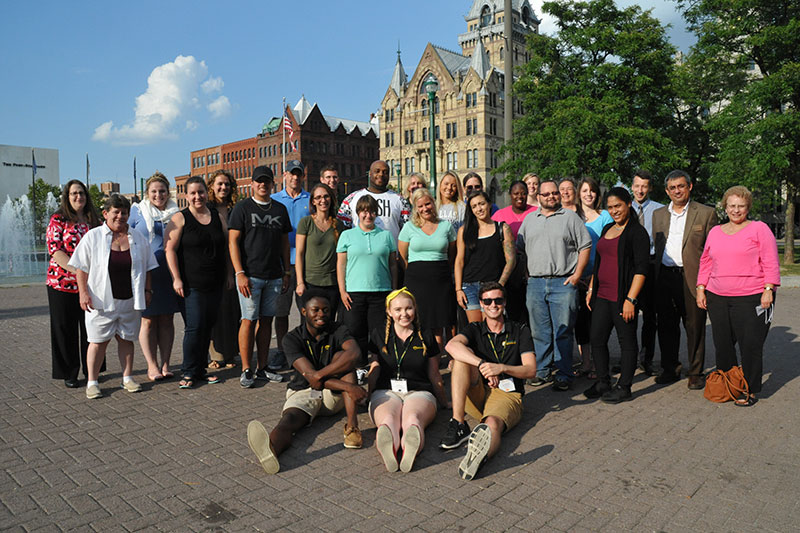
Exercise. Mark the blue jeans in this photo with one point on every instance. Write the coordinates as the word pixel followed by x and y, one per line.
pixel 552 308
pixel 200 316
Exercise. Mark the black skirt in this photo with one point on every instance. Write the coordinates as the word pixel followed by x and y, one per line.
pixel 431 283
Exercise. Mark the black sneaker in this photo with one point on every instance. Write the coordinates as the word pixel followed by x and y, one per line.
pixel 263 374
pixel 480 440
pixel 562 385
pixel 457 434
pixel 597 389
pixel 616 395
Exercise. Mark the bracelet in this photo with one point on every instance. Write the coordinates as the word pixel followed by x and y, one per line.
pixel 239 272
pixel 769 288
pixel 701 287
pixel 462 290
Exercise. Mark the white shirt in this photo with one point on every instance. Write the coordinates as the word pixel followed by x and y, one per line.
pixel 393 210
pixel 673 252
pixel 92 254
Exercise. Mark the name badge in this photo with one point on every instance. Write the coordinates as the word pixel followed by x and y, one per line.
pixel 399 385
pixel 316 394
pixel 507 385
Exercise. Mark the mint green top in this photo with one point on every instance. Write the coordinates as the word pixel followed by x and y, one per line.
pixel 424 247
pixel 367 259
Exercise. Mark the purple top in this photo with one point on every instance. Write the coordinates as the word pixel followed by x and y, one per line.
pixel 119 273
pixel 608 271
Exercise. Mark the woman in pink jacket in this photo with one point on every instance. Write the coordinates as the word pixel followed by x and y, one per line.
pixel 738 275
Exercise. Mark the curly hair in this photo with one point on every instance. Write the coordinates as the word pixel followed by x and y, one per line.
pixel 212 197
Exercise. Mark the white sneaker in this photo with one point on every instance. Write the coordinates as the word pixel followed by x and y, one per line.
pixel 93 392
pixel 131 386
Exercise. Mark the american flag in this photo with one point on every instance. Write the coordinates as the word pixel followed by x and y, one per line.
pixel 287 125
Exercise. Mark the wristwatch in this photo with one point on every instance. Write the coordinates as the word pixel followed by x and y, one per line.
pixel 634 301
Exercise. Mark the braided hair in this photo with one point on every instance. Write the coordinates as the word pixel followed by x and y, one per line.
pixel 390 321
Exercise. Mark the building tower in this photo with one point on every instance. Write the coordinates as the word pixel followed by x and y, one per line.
pixel 469 104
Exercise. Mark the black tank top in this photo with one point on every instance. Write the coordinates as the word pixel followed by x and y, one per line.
pixel 202 252
pixel 487 260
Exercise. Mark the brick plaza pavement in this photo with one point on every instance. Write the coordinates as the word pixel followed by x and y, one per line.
pixel 173 460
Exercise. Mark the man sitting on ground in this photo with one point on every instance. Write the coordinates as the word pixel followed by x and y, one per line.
pixel 324 358
pixel 491 361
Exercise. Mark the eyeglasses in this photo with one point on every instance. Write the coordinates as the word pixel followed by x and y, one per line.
pixel 548 194
pixel 489 301
pixel 323 197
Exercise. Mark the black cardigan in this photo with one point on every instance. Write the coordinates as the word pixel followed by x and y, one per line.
pixel 633 257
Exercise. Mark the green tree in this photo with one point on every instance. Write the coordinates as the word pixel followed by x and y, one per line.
pixel 37 194
pixel 598 98
pixel 750 51
pixel 98 198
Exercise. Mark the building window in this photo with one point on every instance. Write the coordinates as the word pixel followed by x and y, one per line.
pixel 449 132
pixel 469 159
pixel 436 133
pixel 449 160
pixel 486 16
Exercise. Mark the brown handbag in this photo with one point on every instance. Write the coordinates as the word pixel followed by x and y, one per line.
pixel 726 386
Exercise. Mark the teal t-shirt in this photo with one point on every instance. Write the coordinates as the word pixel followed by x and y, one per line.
pixel 367 259
pixel 424 247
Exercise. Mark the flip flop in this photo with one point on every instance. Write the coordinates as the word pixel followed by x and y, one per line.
pixel 186 383
pixel 168 375
pixel 214 365
pixel 212 380
pixel 158 377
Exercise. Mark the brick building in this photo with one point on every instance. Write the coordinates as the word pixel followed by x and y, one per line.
pixel 319 140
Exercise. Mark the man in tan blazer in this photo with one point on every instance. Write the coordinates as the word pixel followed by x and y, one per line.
pixel 679 235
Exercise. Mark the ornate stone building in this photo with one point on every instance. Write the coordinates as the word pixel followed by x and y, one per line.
pixel 468 109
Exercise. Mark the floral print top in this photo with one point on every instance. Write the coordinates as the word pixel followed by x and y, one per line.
pixel 63 235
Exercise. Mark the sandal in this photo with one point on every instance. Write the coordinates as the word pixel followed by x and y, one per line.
pixel 214 365
pixel 745 401
pixel 212 380
pixel 186 383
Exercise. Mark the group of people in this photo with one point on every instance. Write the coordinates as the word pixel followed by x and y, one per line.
pixel 395 286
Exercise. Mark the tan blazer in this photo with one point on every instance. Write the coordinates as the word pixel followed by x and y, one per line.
pixel 699 221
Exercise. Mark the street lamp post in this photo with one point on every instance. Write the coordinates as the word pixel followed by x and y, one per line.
pixel 431 86
pixel 398 168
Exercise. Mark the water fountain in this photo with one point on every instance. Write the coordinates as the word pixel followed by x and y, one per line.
pixel 19 259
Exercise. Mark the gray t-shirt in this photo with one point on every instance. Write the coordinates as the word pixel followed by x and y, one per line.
pixel 553 242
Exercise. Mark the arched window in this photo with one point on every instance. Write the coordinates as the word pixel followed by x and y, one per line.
pixel 486 16
pixel 502 54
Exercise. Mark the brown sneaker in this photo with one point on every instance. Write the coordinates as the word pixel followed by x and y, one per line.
pixel 352 437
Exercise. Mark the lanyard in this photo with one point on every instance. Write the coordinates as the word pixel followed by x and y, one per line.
pixel 316 360
pixel 400 358
pixel 505 345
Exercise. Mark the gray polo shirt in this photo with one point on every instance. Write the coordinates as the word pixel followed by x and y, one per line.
pixel 553 242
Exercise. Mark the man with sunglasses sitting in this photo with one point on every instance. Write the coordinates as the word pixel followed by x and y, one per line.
pixel 491 361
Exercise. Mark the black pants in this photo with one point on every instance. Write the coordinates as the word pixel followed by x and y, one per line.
pixel 605 316
pixel 674 301
pixel 201 314
pixel 734 320
pixel 583 320
pixel 647 303
pixel 68 340
pixel 367 312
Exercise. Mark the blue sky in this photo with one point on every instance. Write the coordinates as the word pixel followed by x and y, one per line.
pixel 156 80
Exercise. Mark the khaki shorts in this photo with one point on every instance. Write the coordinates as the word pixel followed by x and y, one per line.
pixel 330 404
pixel 483 401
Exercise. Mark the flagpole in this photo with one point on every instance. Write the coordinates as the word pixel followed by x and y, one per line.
pixel 134 176
pixel 33 194
pixel 87 171
pixel 283 146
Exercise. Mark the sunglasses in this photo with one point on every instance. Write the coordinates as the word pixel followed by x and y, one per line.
pixel 548 194
pixel 474 188
pixel 489 301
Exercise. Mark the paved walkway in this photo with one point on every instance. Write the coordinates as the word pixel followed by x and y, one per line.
pixel 172 460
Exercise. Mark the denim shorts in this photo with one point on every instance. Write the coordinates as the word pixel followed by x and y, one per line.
pixel 263 299
pixel 471 292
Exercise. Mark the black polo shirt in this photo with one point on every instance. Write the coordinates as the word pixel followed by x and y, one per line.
pixel 506 347
pixel 413 364
pixel 300 343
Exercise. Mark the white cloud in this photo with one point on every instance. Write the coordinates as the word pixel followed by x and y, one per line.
pixel 213 85
pixel 220 107
pixel 173 92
